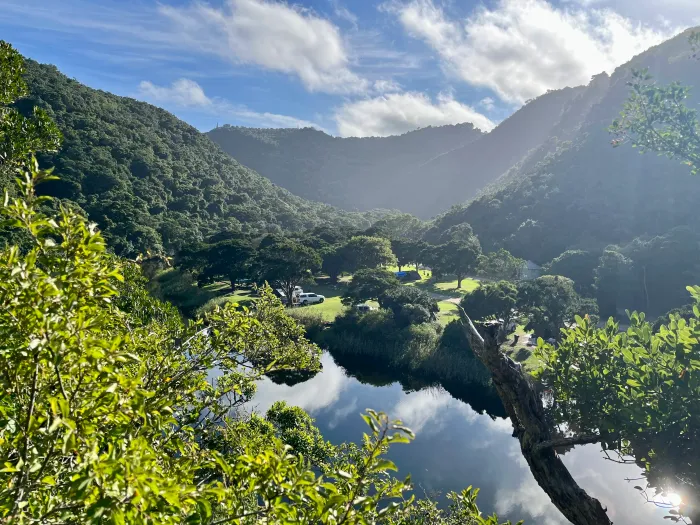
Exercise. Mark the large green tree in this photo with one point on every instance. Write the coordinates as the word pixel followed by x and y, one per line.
pixel 407 251
pixel 500 264
pixel 551 303
pixel 491 300
pixel 577 265
pixel 285 264
pixel 369 284
pixel 457 257
pixel 229 259
pixel 363 251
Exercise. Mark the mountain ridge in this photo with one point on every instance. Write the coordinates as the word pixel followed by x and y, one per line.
pixel 154 182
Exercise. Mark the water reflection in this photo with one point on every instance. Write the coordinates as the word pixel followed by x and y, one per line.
pixel 457 446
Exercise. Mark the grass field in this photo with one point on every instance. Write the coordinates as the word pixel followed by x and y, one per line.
pixel 447 288
pixel 447 313
pixel 521 353
pixel 331 307
pixel 442 287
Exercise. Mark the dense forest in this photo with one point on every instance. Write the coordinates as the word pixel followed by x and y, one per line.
pixel 152 181
pixel 585 195
pixel 339 171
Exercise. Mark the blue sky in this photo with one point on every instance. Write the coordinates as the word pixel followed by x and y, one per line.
pixel 349 67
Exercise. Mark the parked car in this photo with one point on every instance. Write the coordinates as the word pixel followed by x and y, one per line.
pixel 364 308
pixel 310 298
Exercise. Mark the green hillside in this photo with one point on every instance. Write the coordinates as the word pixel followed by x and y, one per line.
pixel 152 181
pixel 584 194
pixel 342 171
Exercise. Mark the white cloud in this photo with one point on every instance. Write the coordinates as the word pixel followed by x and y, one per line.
pixel 183 93
pixel 679 12
pixel 343 13
pixel 522 48
pixel 313 395
pixel 386 86
pixel 487 103
pixel 271 35
pixel 397 113
pixel 186 93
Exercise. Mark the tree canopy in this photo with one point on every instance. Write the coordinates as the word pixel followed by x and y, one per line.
pixel 491 300
pixel 551 303
pixel 285 264
pixel 152 181
pixel 364 251
pixel 369 284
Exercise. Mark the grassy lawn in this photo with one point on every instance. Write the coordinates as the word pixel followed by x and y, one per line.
pixel 331 307
pixel 521 353
pixel 448 288
pixel 447 313
pixel 242 296
pixel 394 269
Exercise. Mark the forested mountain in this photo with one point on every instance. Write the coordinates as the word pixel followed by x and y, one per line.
pixel 150 180
pixel 422 172
pixel 353 173
pixel 427 171
pixel 585 194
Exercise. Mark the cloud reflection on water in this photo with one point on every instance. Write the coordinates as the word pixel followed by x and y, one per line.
pixel 456 447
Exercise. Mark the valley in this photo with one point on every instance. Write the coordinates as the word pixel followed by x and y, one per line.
pixel 193 322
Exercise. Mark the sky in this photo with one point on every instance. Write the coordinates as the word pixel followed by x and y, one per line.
pixel 347 67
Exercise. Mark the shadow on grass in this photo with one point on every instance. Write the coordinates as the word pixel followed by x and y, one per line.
pixel 180 288
pixel 444 288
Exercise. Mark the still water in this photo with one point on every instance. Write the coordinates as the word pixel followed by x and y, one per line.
pixel 456 446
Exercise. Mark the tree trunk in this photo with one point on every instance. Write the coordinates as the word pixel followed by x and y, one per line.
pixel 459 281
pixel 524 407
pixel 399 267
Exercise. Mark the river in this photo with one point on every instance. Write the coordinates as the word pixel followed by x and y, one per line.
pixel 456 446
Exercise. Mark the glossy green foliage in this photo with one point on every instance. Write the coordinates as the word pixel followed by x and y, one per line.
pixel 656 118
pixel 638 387
pixel 461 511
pixel 20 135
pixel 491 300
pixel 109 416
pixel 296 428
